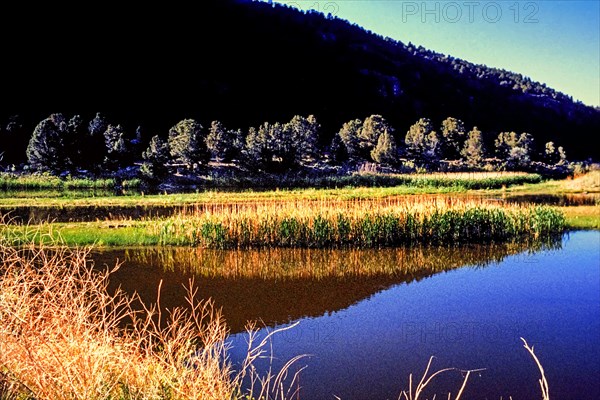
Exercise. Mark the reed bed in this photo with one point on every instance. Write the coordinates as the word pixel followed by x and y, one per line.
pixel 63 335
pixel 359 223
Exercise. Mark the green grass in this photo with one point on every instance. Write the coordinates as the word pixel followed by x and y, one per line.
pixel 82 234
pixel 16 182
pixel 582 217
pixel 347 190
pixel 458 180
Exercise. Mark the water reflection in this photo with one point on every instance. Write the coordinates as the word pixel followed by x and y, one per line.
pixel 280 285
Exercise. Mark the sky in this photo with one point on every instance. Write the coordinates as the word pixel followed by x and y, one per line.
pixel 556 42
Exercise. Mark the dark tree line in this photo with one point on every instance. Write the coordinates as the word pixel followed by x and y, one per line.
pixel 60 144
pixel 73 145
pixel 257 63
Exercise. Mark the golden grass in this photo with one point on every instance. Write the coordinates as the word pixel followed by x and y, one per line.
pixel 63 335
pixel 589 182
pixel 414 394
pixel 360 223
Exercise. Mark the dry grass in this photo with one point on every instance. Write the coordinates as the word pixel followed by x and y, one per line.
pixel 63 335
pixel 542 381
pixel 416 392
pixel 589 182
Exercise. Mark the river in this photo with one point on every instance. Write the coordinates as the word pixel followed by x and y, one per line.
pixel 366 319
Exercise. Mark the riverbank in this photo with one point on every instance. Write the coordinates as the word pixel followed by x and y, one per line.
pixel 312 217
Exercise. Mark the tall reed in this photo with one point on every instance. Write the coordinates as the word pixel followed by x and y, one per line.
pixel 330 223
pixel 64 335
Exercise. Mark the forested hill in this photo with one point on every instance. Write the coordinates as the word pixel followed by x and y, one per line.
pixel 244 63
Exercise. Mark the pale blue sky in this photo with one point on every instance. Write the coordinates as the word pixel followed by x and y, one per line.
pixel 552 41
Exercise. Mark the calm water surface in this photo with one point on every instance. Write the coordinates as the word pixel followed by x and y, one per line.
pixel 368 318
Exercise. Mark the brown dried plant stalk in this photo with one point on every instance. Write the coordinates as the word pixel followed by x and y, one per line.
pixel 64 334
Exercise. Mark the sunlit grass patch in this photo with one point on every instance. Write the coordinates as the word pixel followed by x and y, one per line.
pixel 64 335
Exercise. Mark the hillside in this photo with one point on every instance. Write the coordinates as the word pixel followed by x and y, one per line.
pixel 156 66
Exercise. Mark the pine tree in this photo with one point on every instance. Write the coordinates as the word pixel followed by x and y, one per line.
pixel 94 152
pixel 562 155
pixel 515 149
pixel 349 135
pixel 338 150
pixel 553 155
pixel 550 153
pixel 46 150
pixel 217 141
pixel 453 136
pixel 224 144
pixel 187 143
pixel 304 134
pixel 473 150
pixel 421 140
pixel 75 141
pixel 386 151
pixel 373 127
pixel 256 150
pixel 116 147
pixel 13 141
pixel 155 158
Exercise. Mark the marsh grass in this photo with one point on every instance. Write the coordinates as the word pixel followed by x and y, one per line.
pixel 64 335
pixel 582 217
pixel 450 180
pixel 360 186
pixel 462 180
pixel 47 181
pixel 364 223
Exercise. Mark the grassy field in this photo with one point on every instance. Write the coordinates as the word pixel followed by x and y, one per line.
pixel 588 183
pixel 55 345
pixel 582 217
pixel 363 216
pixel 401 185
